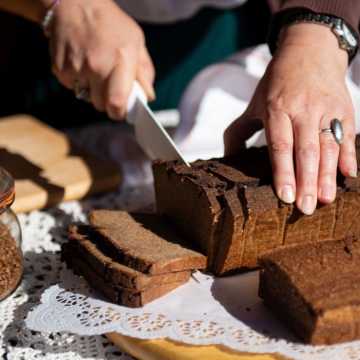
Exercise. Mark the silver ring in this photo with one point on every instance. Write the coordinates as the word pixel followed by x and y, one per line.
pixel 81 93
pixel 336 129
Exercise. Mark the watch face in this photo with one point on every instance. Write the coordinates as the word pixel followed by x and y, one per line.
pixel 350 38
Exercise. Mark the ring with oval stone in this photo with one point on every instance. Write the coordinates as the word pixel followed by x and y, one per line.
pixel 336 129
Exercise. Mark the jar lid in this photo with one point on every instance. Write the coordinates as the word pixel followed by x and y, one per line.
pixel 7 189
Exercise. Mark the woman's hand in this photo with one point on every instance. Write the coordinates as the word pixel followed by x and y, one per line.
pixel 302 90
pixel 95 43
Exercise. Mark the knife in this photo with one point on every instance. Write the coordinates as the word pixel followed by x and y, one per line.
pixel 149 133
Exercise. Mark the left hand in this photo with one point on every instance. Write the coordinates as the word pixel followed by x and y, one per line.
pixel 302 90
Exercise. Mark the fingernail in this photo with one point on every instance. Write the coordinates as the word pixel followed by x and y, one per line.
pixel 353 173
pixel 287 194
pixel 152 94
pixel 327 193
pixel 308 205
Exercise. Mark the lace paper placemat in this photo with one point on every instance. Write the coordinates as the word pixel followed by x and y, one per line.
pixel 205 311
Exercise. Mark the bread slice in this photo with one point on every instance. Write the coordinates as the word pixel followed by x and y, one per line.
pixel 315 289
pixel 144 242
pixel 85 243
pixel 116 294
pixel 229 209
pixel 189 199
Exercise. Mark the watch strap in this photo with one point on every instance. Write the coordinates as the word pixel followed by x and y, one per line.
pixel 304 16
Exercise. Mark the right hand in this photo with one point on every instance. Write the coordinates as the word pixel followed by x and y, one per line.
pixel 302 90
pixel 97 44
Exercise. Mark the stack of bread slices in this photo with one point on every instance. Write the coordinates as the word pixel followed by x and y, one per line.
pixel 131 258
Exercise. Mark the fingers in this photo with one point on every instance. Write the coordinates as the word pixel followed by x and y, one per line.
pixel 121 80
pixel 109 79
pixel 280 137
pixel 334 156
pixel 65 77
pixel 97 71
pixel 316 156
pixel 68 64
pixel 146 74
pixel 118 88
pixel 57 47
pixel 109 89
pixel 307 157
pixel 96 85
pixel 329 157
pixel 347 157
pixel 240 131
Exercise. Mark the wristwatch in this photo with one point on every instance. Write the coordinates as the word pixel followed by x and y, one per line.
pixel 348 39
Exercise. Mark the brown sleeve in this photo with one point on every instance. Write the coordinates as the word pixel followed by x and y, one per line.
pixel 348 10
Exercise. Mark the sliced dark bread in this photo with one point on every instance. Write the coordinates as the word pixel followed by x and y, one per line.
pixel 144 242
pixel 87 244
pixel 315 289
pixel 116 294
pixel 229 209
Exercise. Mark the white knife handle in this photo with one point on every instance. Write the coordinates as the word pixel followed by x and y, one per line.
pixel 137 92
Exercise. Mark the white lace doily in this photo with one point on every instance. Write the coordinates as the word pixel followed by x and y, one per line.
pixel 43 232
pixel 205 311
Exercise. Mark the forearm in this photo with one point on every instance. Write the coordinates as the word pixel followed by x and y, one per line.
pixel 33 10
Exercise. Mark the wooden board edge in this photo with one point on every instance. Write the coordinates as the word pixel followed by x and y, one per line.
pixel 164 349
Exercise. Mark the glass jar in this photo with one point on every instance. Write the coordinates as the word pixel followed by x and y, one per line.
pixel 11 258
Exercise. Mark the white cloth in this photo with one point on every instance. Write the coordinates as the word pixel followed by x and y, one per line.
pixel 166 11
pixel 221 92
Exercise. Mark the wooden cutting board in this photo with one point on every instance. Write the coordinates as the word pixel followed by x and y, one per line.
pixel 164 349
pixel 47 168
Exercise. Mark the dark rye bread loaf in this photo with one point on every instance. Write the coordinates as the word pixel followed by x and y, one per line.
pixel 315 289
pixel 228 208
pixel 85 243
pixel 116 294
pixel 144 242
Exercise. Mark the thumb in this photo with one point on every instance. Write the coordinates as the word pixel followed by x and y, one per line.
pixel 238 132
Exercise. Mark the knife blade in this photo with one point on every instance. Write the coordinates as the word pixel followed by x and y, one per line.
pixel 149 133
